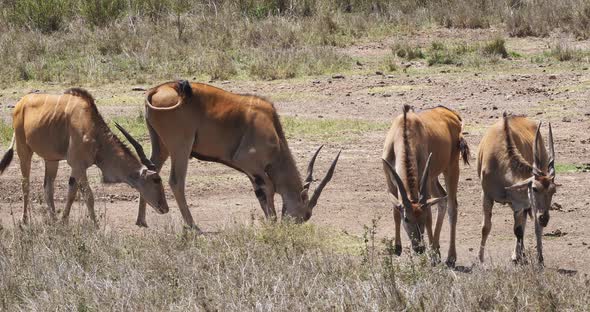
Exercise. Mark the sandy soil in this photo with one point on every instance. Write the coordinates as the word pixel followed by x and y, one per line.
pixel 219 196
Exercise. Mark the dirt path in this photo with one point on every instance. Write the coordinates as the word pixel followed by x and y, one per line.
pixel 221 196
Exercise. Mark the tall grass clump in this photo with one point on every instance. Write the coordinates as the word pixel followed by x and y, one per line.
pixel 280 267
pixel 564 52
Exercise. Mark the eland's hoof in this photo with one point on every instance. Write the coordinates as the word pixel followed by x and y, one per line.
pixel 141 223
pixel 397 250
pixel 450 262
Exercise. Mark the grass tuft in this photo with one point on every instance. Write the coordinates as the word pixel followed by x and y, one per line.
pixel 328 129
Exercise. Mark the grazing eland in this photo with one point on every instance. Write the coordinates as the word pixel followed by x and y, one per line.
pixel 69 126
pixel 240 131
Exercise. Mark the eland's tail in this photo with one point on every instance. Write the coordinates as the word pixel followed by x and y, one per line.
pixel 7 158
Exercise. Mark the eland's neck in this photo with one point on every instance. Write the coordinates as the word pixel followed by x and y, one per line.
pixel 117 163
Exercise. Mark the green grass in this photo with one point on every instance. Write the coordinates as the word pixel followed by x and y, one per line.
pixel 456 53
pixel 135 125
pixel 329 129
pixel 571 168
pixel 294 127
pixel 280 267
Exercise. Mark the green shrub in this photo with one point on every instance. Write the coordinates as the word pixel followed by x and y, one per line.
pixel 405 51
pixel 102 12
pixel 496 47
pixel 42 15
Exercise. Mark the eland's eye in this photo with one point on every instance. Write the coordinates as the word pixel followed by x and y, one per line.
pixel 158 180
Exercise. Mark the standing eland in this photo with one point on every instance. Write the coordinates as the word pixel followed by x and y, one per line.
pixel 428 142
pixel 515 169
pixel 69 126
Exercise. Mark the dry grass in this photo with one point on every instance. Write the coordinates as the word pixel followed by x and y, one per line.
pixel 77 41
pixel 270 267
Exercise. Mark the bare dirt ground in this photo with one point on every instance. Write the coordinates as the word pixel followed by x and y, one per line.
pixel 555 93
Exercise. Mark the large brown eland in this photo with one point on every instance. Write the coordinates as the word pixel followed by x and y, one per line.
pixel 427 143
pixel 241 131
pixel 69 126
pixel 515 169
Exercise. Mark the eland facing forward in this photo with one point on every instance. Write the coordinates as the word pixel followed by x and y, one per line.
pixel 515 169
pixel 427 143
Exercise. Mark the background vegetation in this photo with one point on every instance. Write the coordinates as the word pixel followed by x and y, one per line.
pixel 137 40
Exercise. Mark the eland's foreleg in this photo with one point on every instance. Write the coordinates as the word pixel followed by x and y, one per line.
pixel 48 186
pixel 520 217
pixel 486 225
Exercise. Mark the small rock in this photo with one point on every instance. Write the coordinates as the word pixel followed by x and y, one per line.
pixel 320 116
pixel 138 89
pixel 390 76
pixel 359 63
pixel 494 107
pixel 338 76
pixel 386 95
pixel 556 233
pixel 566 119
pixel 380 73
pixel 556 206
pixel 552 77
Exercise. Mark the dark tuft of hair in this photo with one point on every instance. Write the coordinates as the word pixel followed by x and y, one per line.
pixel 464 149
pixel 184 88
pixel 517 162
pixel 6 159
pixel 412 179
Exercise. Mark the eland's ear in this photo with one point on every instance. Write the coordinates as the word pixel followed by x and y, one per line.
pixel 435 200
pixel 394 200
pixel 520 186
pixel 305 195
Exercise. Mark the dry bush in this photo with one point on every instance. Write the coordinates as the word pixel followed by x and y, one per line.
pixel 564 52
pixel 278 267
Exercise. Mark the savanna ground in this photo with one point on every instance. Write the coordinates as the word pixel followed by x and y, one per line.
pixel 336 80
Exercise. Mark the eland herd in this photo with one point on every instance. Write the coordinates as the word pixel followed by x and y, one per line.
pixel 194 120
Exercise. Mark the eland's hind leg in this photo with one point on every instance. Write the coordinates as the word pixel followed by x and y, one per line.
pixel 452 183
pixel 438 191
pixel 48 186
pixel 25 154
